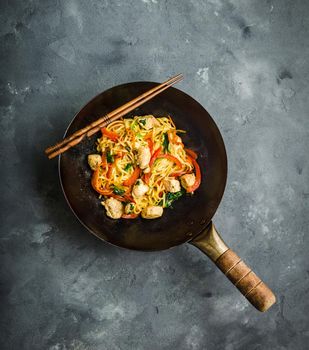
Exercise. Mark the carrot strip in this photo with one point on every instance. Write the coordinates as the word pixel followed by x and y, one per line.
pixel 110 134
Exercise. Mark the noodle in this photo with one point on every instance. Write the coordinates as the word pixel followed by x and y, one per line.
pixel 119 146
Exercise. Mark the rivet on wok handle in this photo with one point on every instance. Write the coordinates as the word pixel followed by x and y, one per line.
pixel 247 282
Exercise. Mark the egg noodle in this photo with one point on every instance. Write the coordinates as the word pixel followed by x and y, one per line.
pixel 119 170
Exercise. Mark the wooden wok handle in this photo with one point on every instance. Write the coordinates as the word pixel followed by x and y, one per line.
pixel 247 282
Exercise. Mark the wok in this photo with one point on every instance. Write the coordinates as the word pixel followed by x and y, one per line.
pixel 190 220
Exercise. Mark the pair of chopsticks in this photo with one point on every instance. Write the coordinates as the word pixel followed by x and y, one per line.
pixel 119 112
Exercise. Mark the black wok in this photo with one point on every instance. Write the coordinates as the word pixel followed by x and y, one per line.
pixel 190 220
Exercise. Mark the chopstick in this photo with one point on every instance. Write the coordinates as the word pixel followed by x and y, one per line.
pixel 95 126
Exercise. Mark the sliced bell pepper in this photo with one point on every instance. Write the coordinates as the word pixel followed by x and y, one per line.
pixel 131 180
pixel 154 156
pixel 191 153
pixel 110 134
pixel 95 184
pixel 129 216
pixel 178 173
pixel 152 160
pixel 197 176
pixel 150 145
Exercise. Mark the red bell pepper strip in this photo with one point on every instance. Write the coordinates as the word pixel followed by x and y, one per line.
pixel 171 158
pixel 178 173
pixel 110 134
pixel 150 145
pixel 191 153
pixel 110 171
pixel 152 160
pixel 129 216
pixel 154 156
pixel 96 186
pixel 131 180
pixel 197 177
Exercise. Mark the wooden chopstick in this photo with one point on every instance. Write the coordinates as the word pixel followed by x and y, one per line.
pixel 109 115
pixel 94 127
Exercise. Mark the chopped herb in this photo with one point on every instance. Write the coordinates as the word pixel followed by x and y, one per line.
pixel 142 121
pixel 109 157
pixel 127 148
pixel 138 182
pixel 171 197
pixel 128 166
pixel 160 203
pixel 133 125
pixel 165 142
pixel 118 191
pixel 139 135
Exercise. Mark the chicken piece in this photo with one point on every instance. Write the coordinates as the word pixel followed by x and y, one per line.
pixel 129 208
pixel 172 185
pixel 114 208
pixel 152 212
pixel 148 122
pixel 139 189
pixel 143 157
pixel 147 170
pixel 187 180
pixel 94 160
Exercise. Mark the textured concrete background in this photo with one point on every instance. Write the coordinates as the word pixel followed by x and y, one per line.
pixel 247 63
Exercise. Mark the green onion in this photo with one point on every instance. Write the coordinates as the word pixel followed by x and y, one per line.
pixel 118 191
pixel 142 121
pixel 128 166
pixel 165 142
pixel 109 157
pixel 171 197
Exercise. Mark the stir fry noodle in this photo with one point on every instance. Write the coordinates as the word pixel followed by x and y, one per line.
pixel 142 166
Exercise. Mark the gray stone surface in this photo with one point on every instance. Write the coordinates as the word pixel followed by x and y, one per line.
pixel 247 63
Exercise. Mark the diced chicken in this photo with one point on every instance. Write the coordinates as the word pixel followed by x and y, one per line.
pixel 152 212
pixel 187 180
pixel 129 208
pixel 94 160
pixel 114 208
pixel 143 157
pixel 139 189
pixel 148 122
pixel 171 185
pixel 147 170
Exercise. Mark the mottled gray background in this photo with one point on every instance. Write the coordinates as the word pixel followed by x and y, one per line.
pixel 247 63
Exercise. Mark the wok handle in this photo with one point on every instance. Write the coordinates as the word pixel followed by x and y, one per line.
pixel 247 282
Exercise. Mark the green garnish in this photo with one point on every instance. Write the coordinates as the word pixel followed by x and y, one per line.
pixel 133 125
pixel 128 166
pixel 109 157
pixel 165 142
pixel 118 191
pixel 142 121
pixel 171 197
